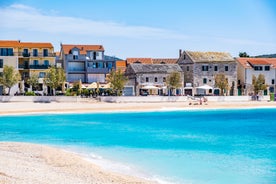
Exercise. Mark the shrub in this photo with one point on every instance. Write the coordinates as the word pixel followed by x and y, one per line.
pixel 30 93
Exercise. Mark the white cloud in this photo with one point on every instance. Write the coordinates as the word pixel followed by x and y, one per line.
pixel 26 18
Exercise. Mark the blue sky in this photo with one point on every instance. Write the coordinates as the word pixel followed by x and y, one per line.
pixel 145 28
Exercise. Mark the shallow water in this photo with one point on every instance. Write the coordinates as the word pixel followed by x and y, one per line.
pixel 198 146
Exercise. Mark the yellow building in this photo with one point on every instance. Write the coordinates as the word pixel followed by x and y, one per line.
pixel 29 58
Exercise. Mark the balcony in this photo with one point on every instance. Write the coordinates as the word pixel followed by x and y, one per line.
pixel 31 54
pixel 97 70
pixel 22 67
pixel 40 67
pixel 26 54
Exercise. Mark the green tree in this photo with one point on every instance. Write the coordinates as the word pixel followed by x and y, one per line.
pixel 221 82
pixel 33 81
pixel 243 54
pixel 174 81
pixel 54 78
pixel 9 78
pixel 117 81
pixel 258 83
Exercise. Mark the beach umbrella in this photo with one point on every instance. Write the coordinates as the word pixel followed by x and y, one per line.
pixel 93 85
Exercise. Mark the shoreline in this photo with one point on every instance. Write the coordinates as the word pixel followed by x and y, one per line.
pixel 23 108
pixel 37 163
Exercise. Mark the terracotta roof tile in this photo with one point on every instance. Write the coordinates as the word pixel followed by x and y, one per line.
pixel 120 63
pixel 17 43
pixel 36 45
pixel 245 62
pixel 139 60
pixel 83 48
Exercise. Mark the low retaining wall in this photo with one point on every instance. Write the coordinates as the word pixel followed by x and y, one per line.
pixel 124 99
pixel 45 99
pixel 137 99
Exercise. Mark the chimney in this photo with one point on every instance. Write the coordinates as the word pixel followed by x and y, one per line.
pixel 180 53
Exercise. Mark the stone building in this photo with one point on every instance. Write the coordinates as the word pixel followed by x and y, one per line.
pixel 150 79
pixel 200 69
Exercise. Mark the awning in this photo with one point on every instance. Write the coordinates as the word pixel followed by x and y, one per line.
pixel 205 86
pixel 104 86
pixel 93 85
pixel 149 87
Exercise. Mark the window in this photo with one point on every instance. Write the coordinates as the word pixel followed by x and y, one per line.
pixel 215 68
pixel 25 53
pixel 267 68
pixel 75 54
pixel 188 68
pixel 184 57
pixel 164 79
pixel 42 74
pixel 94 55
pixel 258 68
pixel 45 52
pixel 272 81
pixel 35 52
pixel 100 65
pixel 204 81
pixel 1 63
pixel 155 79
pixel 35 62
pixel 226 68
pixel 147 79
pixel 205 68
pixel 109 65
pixel 6 52
pixel 46 62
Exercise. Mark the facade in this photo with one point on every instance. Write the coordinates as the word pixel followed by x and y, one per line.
pixel 150 78
pixel 29 58
pixel 249 67
pixel 200 69
pixel 86 63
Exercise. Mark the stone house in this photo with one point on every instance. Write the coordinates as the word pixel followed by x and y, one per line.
pixel 200 69
pixel 151 78
pixel 247 67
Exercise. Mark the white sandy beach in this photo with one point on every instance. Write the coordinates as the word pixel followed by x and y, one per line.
pixel 22 163
pixel 75 107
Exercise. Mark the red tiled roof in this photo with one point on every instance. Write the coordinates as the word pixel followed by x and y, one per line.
pixel 17 43
pixel 245 62
pixel 83 48
pixel 139 60
pixel 164 61
pixel 9 43
pixel 36 45
pixel 120 63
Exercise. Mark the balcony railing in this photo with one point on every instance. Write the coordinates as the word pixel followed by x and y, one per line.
pixel 31 54
pixel 39 66
pixel 23 67
pixel 97 70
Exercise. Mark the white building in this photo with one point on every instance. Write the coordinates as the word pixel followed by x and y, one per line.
pixel 249 67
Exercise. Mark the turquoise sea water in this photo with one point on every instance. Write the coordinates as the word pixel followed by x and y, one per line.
pixel 198 146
